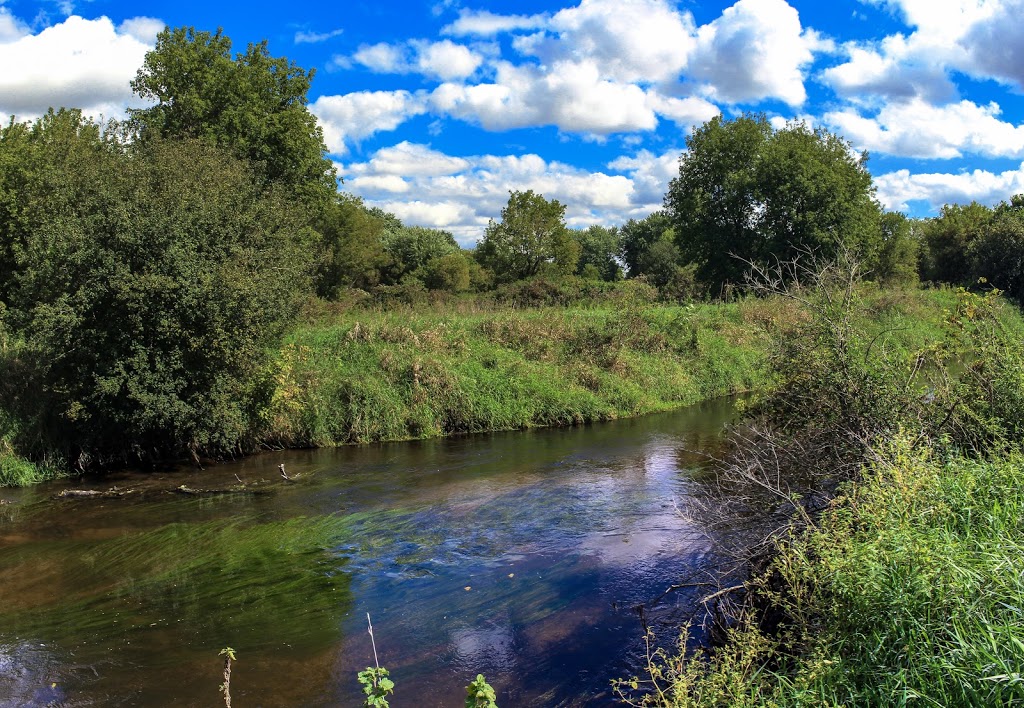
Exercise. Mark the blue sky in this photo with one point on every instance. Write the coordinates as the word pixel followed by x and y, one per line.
pixel 436 109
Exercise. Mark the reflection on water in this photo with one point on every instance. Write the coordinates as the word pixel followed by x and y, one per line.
pixel 518 555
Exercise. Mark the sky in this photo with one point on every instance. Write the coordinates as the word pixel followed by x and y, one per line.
pixel 435 109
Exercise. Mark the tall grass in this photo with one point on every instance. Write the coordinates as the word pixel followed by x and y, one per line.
pixel 908 586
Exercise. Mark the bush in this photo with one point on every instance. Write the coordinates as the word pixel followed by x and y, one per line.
pixel 154 283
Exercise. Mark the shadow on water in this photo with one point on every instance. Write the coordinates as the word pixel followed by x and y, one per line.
pixel 519 555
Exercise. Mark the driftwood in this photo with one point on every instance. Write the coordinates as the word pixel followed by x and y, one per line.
pixel 112 493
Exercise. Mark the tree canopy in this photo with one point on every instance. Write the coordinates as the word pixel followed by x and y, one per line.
pixel 531 233
pixel 254 105
pixel 747 191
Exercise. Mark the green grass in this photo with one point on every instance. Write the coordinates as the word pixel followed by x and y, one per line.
pixel 364 376
pixel 908 588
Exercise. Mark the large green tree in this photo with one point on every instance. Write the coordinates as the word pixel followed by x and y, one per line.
pixel 253 104
pixel 531 234
pixel 749 192
pixel 151 283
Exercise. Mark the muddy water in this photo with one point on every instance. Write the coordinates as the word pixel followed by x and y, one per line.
pixel 522 556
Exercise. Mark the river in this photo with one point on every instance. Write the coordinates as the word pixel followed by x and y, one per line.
pixel 520 555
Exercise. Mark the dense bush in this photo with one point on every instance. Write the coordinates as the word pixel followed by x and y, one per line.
pixel 148 286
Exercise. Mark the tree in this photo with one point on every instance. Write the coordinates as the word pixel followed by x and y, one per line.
pixel 748 192
pixel 897 258
pixel 948 239
pixel 599 247
pixel 412 247
pixel 254 105
pixel 449 272
pixel 638 236
pixel 352 253
pixel 997 254
pixel 531 233
pixel 154 284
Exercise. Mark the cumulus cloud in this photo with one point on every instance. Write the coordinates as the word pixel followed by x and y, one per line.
pixel 757 49
pixel 144 29
pixel 684 112
pixel 897 189
pixel 383 58
pixel 11 28
pixel 486 24
pixel 78 63
pixel 572 96
pixel 354 116
pixel 628 40
pixel 442 60
pixel 446 60
pixel 918 129
pixel 461 194
pixel 976 37
pixel 650 174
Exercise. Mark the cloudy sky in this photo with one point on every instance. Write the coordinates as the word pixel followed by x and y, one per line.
pixel 434 109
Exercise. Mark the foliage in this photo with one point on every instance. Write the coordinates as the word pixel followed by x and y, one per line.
pixel 599 247
pixel 948 239
pixel 254 105
pixel 637 237
pixel 479 694
pixel 531 233
pixel 894 573
pixel 377 686
pixel 896 261
pixel 411 248
pixel 149 284
pixel 997 253
pixel 449 272
pixel 747 193
pixel 352 253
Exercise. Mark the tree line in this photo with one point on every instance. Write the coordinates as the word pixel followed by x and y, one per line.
pixel 149 267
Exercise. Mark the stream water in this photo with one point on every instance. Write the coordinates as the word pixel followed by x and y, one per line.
pixel 522 556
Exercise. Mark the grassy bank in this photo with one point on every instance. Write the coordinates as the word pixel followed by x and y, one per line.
pixel 907 586
pixel 365 376
pixel 399 372
pixel 909 590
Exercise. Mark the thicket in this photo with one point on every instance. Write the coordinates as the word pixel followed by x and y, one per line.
pixel 889 567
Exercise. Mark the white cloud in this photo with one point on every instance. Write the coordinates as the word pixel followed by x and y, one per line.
pixel 78 63
pixel 756 50
pixel 354 116
pixel 11 28
pixel 462 194
pixel 144 29
pixel 442 60
pixel 413 160
pixel 628 40
pixel 383 58
pixel 978 37
pixel 484 23
pixel 303 37
pixel 650 174
pixel 897 189
pixel 446 60
pixel 995 43
pixel 917 129
pixel 684 112
pixel 571 96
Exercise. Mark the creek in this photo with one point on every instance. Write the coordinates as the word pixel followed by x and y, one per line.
pixel 520 555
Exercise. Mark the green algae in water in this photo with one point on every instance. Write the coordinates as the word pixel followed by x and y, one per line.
pixel 200 586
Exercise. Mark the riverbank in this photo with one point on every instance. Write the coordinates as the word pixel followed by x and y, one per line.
pixel 903 579
pixel 367 375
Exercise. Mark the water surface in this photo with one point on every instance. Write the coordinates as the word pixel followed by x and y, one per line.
pixel 522 556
